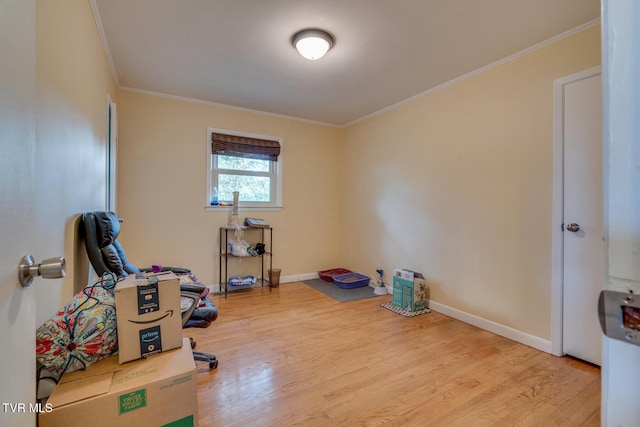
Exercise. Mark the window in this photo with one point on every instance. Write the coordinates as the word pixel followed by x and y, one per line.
pixel 246 163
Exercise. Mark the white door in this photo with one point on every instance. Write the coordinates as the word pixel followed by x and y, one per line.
pixel 112 155
pixel 583 237
pixel 621 73
pixel 19 230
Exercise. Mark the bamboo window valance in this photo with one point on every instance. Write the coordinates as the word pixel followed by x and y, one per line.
pixel 240 146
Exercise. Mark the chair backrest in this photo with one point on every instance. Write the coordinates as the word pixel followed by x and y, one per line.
pixel 101 230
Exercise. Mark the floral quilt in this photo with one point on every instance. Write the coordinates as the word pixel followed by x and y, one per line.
pixel 82 332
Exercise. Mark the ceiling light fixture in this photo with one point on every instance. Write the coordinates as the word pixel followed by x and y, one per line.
pixel 312 43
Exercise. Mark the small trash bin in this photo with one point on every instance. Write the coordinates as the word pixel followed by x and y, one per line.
pixel 274 277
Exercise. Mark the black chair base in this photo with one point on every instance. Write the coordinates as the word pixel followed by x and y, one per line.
pixel 204 357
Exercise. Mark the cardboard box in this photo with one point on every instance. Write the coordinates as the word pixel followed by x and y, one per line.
pixel 409 290
pixel 160 390
pixel 148 315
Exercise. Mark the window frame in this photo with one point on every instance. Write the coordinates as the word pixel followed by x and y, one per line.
pixel 212 171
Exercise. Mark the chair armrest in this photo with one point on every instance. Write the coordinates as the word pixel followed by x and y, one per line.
pixel 197 288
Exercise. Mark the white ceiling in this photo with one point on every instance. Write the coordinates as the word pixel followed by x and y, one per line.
pixel 238 52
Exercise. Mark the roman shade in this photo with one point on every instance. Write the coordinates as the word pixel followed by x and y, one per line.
pixel 240 146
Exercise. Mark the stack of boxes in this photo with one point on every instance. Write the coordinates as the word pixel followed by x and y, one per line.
pixel 151 381
pixel 409 290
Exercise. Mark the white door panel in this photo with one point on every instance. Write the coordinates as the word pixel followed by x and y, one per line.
pixel 17 210
pixel 621 44
pixel 112 156
pixel 584 250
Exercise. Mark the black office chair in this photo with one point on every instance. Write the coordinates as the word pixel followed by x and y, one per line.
pixel 100 231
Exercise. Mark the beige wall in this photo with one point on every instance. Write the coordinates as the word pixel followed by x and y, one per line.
pixel 73 80
pixel 458 185
pixel 162 177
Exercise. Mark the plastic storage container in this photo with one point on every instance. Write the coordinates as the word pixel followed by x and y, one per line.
pixel 242 281
pixel 351 280
pixel 327 275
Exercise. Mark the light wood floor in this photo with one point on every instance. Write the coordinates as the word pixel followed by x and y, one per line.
pixel 297 357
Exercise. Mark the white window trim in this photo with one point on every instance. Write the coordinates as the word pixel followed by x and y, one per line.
pixel 276 205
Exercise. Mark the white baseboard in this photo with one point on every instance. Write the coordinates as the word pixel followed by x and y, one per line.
pixel 298 277
pixel 496 328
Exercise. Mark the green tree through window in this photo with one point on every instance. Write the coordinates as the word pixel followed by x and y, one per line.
pixel 251 188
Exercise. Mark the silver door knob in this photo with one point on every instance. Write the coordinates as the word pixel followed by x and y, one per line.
pixel 573 227
pixel 51 268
